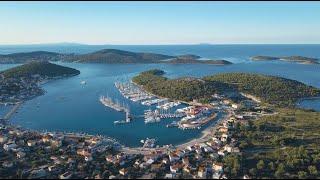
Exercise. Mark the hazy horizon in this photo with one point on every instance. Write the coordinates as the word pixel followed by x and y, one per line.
pixel 159 23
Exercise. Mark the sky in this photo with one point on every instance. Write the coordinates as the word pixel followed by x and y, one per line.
pixel 143 23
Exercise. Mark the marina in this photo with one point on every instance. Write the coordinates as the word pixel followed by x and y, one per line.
pixel 148 143
pixel 101 81
pixel 132 92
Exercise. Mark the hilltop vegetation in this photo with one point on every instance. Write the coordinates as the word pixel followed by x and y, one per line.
pixel 117 56
pixel 31 56
pixel 185 89
pixel 285 145
pixel 273 90
pixel 107 56
pixel 22 82
pixel 270 89
pixel 194 61
pixel 41 68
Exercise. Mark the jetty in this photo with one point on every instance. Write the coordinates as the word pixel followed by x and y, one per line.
pixel 107 101
pixel 12 111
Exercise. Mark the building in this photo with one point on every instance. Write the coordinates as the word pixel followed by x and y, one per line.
pixel 217 167
pixel 9 146
pixel 31 143
pixel 175 168
pixel 66 175
pixel 123 171
pixel 21 155
pixel 3 139
pixel 202 172
pixel 37 174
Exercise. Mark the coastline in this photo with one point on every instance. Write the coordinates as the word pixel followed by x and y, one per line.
pixel 14 109
pixel 307 98
pixel 205 133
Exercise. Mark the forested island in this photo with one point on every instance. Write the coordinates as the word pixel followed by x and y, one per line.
pixel 20 58
pixel 298 59
pixel 270 89
pixel 111 56
pixel 193 60
pixel 22 82
pixel 106 56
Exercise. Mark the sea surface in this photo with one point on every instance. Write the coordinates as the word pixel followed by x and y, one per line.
pixel 70 106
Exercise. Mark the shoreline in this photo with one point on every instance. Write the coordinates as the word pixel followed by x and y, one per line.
pixel 307 98
pixel 204 137
pixel 205 133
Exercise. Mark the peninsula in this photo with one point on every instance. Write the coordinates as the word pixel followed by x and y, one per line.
pixel 22 82
pixel 20 58
pixel 270 89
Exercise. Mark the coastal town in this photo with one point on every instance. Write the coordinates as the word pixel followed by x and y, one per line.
pixel 17 89
pixel 33 154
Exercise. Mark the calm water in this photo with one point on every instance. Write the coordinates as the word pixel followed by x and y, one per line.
pixel 234 53
pixel 311 104
pixel 69 106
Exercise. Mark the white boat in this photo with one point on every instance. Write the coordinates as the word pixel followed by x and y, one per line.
pixel 83 82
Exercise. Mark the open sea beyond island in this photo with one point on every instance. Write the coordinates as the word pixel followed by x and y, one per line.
pixel 74 107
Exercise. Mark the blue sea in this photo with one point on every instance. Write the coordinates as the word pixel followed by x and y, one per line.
pixel 70 106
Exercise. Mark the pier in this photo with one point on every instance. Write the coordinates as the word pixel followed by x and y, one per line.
pixel 12 111
pixel 114 105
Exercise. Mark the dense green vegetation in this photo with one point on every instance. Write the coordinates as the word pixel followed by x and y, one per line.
pixel 185 89
pixel 117 56
pixel 264 58
pixel 273 90
pixel 194 61
pixel 109 56
pixel 270 89
pixel 41 68
pixel 31 56
pixel 285 145
pixel 102 56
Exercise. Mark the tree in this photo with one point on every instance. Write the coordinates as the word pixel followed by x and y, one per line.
pixel 271 166
pixel 280 171
pixel 302 175
pixel 260 165
pixel 253 171
pixel 313 170
pixel 232 163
